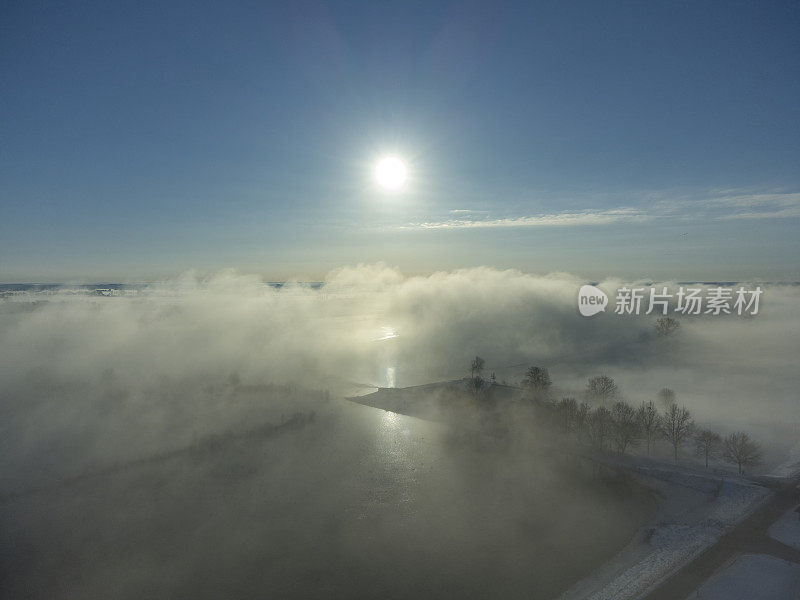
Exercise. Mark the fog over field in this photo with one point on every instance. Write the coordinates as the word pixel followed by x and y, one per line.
pixel 194 439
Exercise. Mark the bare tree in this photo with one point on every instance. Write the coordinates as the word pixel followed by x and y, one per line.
pixel 625 428
pixel 677 425
pixel 475 386
pixel 476 366
pixel 475 381
pixel 667 398
pixel 537 378
pixel 599 422
pixel 649 422
pixel 567 412
pixel 741 450
pixel 537 383
pixel 581 418
pixel 707 444
pixel 666 326
pixel 602 388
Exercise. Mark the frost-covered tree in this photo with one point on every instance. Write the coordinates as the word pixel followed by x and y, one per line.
pixel 739 449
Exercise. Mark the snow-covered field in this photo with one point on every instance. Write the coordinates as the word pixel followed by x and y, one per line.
pixel 695 509
pixel 787 529
pixel 751 576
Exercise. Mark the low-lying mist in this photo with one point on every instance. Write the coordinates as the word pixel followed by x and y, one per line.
pixel 370 324
pixel 192 440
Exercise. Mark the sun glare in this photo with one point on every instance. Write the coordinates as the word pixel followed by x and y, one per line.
pixel 391 173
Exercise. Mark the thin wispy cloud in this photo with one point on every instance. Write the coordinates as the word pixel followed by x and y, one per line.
pixel 561 219
pixel 735 204
pixel 759 206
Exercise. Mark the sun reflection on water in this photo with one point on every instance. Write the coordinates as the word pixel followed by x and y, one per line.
pixel 390 377
pixel 387 333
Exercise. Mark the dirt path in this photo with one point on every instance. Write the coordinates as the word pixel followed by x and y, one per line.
pixel 748 537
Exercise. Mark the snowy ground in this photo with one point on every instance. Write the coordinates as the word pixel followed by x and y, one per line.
pixel 790 467
pixel 752 576
pixel 787 529
pixel 695 509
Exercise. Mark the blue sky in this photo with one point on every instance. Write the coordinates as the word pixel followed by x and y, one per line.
pixel 632 139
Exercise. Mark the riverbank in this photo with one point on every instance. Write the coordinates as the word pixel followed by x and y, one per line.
pixel 695 508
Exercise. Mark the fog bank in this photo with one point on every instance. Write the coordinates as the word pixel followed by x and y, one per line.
pixel 199 427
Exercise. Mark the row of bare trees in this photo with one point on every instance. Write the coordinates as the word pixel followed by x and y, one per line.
pixel 623 426
pixel 737 448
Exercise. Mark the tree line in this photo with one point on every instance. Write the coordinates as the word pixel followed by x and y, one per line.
pixel 609 422
pixel 605 421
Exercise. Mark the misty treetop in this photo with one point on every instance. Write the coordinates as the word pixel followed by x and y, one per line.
pixel 739 449
pixel 602 389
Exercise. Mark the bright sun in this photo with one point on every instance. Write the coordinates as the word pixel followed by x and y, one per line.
pixel 390 173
